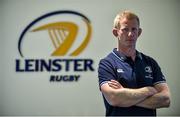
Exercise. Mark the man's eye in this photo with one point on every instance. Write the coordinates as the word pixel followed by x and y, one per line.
pixel 125 29
pixel 134 29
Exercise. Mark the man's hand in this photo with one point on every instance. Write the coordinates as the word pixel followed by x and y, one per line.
pixel 158 100
pixel 115 84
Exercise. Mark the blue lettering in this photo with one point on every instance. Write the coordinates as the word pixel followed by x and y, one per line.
pixel 36 65
pixel 29 65
pixel 88 64
pixel 45 65
pixel 78 65
pixel 65 78
pixel 54 65
pixel 18 69
pixel 67 66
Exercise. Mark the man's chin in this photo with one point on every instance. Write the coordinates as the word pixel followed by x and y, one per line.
pixel 130 46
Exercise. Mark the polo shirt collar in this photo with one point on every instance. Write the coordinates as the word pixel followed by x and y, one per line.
pixel 122 57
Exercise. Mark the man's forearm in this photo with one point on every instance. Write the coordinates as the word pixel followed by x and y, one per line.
pixel 125 97
pixel 158 100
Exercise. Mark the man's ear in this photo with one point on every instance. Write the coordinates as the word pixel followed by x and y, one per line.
pixel 140 31
pixel 115 32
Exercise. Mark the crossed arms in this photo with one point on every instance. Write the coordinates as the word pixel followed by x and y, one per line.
pixel 147 97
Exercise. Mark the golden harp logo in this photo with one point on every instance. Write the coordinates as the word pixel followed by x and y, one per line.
pixel 62 34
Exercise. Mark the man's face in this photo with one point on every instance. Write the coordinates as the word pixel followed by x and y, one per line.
pixel 128 32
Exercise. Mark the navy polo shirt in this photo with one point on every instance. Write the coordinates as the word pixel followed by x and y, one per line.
pixel 144 71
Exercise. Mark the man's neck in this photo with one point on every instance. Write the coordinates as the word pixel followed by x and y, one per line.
pixel 129 52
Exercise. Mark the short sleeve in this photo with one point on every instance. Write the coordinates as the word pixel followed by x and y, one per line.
pixel 157 73
pixel 105 71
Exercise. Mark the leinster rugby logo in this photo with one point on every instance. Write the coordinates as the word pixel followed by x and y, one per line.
pixel 56 34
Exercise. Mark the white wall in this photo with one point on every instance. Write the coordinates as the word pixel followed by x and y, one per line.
pixel 33 94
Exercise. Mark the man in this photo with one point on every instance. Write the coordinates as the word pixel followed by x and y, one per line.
pixel 132 83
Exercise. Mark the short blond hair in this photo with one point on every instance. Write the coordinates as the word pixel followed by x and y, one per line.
pixel 125 14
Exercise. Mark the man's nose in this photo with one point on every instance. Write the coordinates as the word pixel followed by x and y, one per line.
pixel 130 33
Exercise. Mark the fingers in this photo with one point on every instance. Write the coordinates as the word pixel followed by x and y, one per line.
pixel 114 81
pixel 114 84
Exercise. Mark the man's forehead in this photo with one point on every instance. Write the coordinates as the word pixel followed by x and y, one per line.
pixel 127 22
